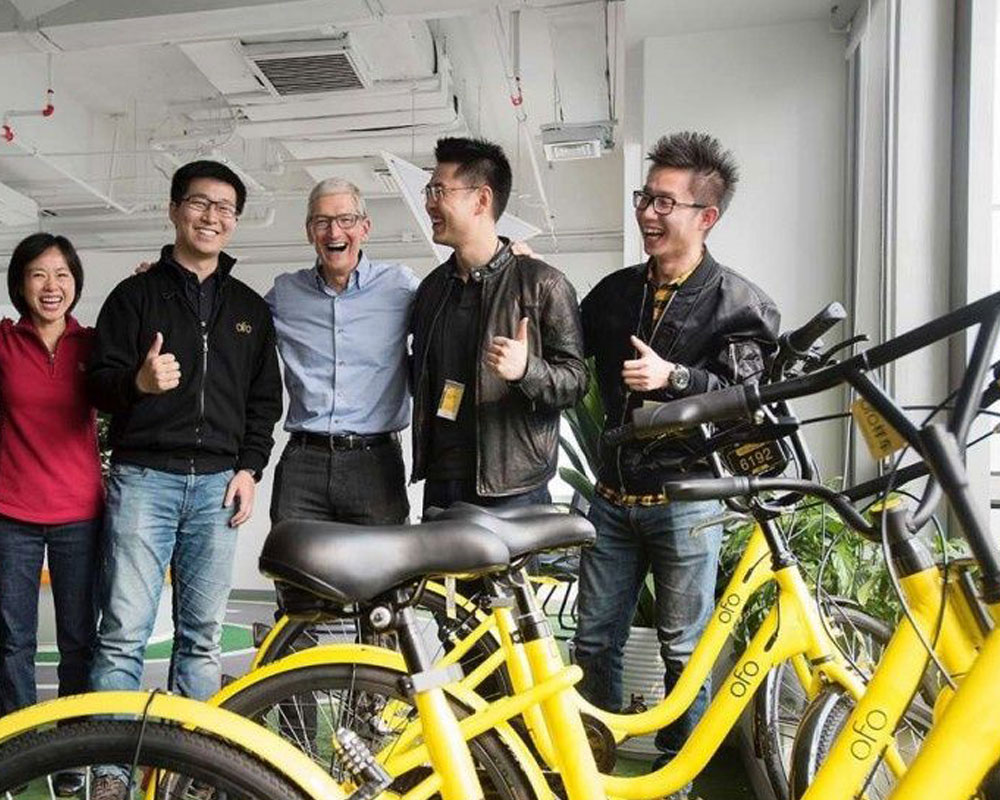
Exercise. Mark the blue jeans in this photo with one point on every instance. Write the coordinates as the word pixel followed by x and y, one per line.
pixel 72 551
pixel 631 540
pixel 154 520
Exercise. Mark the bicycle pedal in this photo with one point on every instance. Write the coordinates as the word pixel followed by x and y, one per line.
pixel 371 777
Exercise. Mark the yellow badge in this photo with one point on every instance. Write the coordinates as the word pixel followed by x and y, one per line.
pixel 451 399
pixel 882 439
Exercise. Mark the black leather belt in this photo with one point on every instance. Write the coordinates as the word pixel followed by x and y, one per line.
pixel 345 441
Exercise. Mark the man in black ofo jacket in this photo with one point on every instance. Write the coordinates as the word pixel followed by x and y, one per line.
pixel 496 345
pixel 185 362
pixel 676 325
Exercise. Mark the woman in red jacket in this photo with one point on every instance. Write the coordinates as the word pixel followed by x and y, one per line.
pixel 51 495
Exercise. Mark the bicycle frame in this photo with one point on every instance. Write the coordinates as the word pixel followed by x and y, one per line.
pixel 963 735
pixel 791 628
pixel 871 726
pixel 400 758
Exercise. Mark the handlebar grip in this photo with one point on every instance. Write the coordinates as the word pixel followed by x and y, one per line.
pixel 801 339
pixel 654 419
pixel 707 488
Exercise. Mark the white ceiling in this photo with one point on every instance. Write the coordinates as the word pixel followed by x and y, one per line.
pixel 143 85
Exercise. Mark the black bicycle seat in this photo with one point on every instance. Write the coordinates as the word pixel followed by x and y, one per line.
pixel 525 535
pixel 356 563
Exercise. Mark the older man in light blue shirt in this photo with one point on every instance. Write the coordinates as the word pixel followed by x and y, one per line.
pixel 342 327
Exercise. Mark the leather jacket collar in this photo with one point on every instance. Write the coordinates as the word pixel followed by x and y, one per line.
pixel 503 258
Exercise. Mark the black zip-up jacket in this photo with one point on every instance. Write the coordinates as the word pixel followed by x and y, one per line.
pixel 222 415
pixel 718 324
pixel 517 423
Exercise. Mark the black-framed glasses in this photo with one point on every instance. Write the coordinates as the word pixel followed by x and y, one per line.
pixel 201 204
pixel 662 204
pixel 435 191
pixel 343 221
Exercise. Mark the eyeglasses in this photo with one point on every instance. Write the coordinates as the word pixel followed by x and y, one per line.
pixel 201 204
pixel 344 221
pixel 435 191
pixel 662 204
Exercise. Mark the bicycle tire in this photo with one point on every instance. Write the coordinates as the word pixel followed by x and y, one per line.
pixel 186 754
pixel 780 702
pixel 268 701
pixel 300 634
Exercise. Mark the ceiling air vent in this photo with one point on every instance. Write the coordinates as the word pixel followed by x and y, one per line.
pixel 310 66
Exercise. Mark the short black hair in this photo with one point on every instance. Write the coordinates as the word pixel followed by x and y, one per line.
pixel 28 250
pixel 715 171
pixel 206 169
pixel 481 161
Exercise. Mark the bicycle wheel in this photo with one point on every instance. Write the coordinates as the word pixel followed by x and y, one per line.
pixel 307 704
pixel 780 703
pixel 187 764
pixel 438 628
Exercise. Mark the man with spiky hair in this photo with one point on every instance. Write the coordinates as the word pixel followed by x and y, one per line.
pixel 677 324
pixel 497 345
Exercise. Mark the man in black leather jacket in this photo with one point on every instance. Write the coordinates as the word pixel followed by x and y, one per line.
pixel 497 345
pixel 678 324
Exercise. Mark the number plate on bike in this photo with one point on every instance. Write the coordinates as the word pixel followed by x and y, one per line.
pixel 755 458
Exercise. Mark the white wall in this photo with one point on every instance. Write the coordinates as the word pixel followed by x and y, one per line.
pixel 776 97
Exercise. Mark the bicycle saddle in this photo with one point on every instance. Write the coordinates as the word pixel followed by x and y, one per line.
pixel 526 535
pixel 356 563
pixel 513 512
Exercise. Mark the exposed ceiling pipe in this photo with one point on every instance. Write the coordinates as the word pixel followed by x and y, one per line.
pixel 47 109
pixel 151 213
pixel 359 124
pixel 517 103
pixel 165 147
pixel 416 130
pixel 90 188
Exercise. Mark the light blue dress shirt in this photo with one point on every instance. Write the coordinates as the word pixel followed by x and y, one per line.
pixel 345 354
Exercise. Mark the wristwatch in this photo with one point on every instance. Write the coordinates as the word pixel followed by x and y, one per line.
pixel 679 379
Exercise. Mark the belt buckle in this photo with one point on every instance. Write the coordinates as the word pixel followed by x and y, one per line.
pixel 354 441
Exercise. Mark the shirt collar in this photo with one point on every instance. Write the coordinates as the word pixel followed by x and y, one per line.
pixel 226 263
pixel 676 282
pixel 72 326
pixel 503 256
pixel 358 278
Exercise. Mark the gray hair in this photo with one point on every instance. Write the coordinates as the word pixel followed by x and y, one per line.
pixel 329 186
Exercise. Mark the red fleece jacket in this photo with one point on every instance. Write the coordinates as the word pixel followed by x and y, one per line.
pixel 50 472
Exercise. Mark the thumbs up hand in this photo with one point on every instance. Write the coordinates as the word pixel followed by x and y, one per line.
pixel 508 358
pixel 648 372
pixel 159 372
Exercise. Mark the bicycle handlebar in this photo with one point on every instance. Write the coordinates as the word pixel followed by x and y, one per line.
pixel 723 488
pixel 801 339
pixel 654 419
